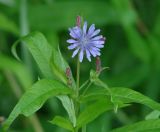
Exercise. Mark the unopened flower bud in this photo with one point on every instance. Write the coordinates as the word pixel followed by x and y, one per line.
pixel 68 75
pixel 68 72
pixel 78 21
pixel 98 65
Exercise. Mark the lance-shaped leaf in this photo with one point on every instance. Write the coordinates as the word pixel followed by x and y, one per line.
pixel 142 126
pixel 124 95
pixel 40 50
pixel 50 62
pixel 35 97
pixel 62 122
pixel 92 111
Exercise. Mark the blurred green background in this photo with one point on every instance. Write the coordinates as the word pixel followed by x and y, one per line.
pixel 132 51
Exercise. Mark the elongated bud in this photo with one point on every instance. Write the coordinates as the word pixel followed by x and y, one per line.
pixel 68 72
pixel 68 75
pixel 78 21
pixel 98 65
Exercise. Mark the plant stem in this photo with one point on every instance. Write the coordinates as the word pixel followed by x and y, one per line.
pixel 24 30
pixel 85 83
pixel 90 83
pixel 78 73
pixel 84 128
pixel 77 90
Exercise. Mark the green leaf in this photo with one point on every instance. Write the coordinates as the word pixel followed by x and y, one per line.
pixel 59 65
pixel 19 70
pixel 124 95
pixel 142 126
pixel 40 50
pixel 153 115
pixel 69 107
pixel 62 122
pixel 8 25
pixel 127 95
pixel 94 110
pixel 50 62
pixel 35 97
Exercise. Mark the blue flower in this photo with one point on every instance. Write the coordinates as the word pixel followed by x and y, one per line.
pixel 85 42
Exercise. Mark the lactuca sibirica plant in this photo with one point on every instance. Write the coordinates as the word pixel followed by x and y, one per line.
pixel 82 103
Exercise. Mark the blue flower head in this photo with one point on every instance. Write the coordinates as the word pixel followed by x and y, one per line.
pixel 85 42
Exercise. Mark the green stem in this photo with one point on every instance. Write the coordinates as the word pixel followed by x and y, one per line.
pixel 90 83
pixel 24 30
pixel 101 83
pixel 77 90
pixel 84 128
pixel 78 73
pixel 84 84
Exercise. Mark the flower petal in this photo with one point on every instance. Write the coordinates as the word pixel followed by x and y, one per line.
pixel 75 32
pixel 75 52
pixel 99 46
pixel 88 55
pixel 81 55
pixel 93 46
pixel 71 41
pixel 96 51
pixel 91 29
pixel 72 46
pixel 85 28
pixel 95 33
pixel 97 37
pixel 92 52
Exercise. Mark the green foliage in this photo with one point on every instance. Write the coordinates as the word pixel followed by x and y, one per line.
pixel 51 64
pixel 8 25
pixel 143 126
pixel 131 51
pixel 94 110
pixel 49 60
pixel 153 115
pixel 122 95
pixel 21 72
pixel 35 97
pixel 40 50
pixel 62 122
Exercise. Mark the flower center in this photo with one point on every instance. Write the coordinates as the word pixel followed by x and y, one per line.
pixel 84 41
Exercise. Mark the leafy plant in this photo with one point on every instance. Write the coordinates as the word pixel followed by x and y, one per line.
pixel 82 105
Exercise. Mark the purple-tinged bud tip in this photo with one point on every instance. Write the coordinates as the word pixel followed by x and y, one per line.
pixel 103 39
pixel 78 21
pixel 98 65
pixel 68 72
